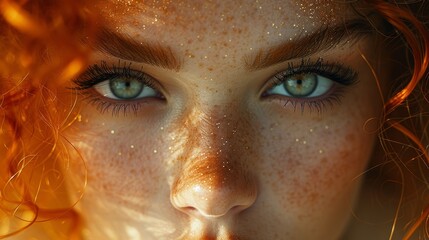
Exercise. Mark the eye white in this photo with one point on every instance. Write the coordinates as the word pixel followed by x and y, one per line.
pixel 306 85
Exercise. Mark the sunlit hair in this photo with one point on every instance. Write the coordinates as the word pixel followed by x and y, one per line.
pixel 35 157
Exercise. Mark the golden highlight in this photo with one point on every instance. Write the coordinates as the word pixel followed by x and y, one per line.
pixel 36 158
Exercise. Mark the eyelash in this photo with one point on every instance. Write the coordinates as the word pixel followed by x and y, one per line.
pixel 101 72
pixel 98 73
pixel 337 72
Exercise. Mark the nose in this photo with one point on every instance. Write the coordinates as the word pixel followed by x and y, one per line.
pixel 215 179
pixel 213 189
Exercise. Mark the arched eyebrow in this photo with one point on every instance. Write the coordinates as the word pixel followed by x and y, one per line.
pixel 304 46
pixel 125 47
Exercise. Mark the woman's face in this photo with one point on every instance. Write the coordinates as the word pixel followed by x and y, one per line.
pixel 225 120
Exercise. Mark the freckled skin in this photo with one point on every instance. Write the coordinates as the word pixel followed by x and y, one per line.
pixel 215 160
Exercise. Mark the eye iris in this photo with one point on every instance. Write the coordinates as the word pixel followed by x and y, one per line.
pixel 301 85
pixel 125 88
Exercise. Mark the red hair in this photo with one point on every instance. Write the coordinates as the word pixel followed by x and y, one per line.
pixel 32 168
pixel 416 36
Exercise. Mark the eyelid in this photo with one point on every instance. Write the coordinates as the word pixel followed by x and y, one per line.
pixel 336 72
pixel 98 73
pixel 339 74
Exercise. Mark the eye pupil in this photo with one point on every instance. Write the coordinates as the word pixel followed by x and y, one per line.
pixel 301 85
pixel 125 88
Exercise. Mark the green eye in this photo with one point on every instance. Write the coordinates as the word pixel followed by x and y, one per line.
pixel 125 88
pixel 301 85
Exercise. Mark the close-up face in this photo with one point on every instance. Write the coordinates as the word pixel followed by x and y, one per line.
pixel 225 119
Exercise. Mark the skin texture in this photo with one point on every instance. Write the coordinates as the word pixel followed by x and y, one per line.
pixel 214 159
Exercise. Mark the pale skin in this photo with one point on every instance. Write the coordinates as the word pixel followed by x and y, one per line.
pixel 217 154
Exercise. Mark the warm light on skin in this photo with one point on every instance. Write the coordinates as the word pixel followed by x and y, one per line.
pixel 267 171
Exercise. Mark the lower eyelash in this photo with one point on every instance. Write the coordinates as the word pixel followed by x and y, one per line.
pixel 341 76
pixel 103 72
pixel 312 104
pixel 116 108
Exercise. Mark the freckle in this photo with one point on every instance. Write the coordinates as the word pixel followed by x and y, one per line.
pixel 344 154
pixel 313 197
pixel 350 137
pixel 210 69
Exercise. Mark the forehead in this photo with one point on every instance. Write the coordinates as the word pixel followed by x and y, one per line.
pixel 220 16
pixel 220 33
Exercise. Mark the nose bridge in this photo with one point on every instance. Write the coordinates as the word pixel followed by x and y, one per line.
pixel 214 149
pixel 218 134
pixel 215 175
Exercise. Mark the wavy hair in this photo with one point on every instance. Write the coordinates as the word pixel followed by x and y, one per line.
pixel 35 158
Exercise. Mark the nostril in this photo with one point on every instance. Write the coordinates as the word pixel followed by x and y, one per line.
pixel 210 190
pixel 204 201
pixel 190 211
pixel 206 214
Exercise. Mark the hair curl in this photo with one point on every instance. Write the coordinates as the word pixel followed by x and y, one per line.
pixel 35 156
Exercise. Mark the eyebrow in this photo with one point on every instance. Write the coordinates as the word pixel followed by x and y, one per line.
pixel 125 47
pixel 324 39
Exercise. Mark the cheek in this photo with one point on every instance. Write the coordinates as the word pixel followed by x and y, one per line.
pixel 122 161
pixel 314 172
pixel 315 176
